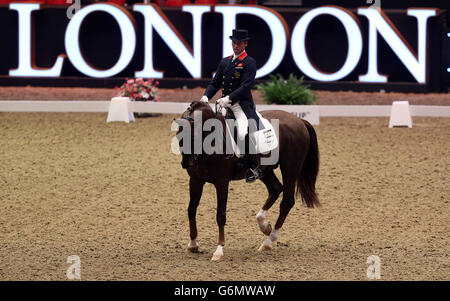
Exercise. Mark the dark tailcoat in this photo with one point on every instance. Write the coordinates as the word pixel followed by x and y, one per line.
pixel 236 79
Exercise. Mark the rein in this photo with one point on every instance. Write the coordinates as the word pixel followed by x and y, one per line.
pixel 217 114
pixel 226 157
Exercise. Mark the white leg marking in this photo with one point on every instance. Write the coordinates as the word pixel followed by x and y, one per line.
pixel 274 234
pixel 261 218
pixel 193 246
pixel 267 243
pixel 218 255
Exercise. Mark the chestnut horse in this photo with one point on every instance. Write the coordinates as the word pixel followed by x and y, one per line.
pixel 298 161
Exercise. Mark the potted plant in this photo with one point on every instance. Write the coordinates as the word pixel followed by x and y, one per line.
pixel 140 90
pixel 291 91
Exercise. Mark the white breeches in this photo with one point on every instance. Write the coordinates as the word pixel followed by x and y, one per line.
pixel 241 120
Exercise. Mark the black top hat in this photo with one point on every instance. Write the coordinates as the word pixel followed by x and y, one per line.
pixel 240 35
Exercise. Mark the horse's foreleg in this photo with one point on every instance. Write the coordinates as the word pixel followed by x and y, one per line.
pixel 195 192
pixel 221 217
pixel 274 188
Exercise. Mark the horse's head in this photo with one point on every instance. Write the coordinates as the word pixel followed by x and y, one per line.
pixel 190 133
pixel 200 107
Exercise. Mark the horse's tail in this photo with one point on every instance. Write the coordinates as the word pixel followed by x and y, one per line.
pixel 307 175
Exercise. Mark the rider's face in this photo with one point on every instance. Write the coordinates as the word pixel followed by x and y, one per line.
pixel 238 46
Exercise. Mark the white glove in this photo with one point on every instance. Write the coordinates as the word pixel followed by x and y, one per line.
pixel 204 98
pixel 224 101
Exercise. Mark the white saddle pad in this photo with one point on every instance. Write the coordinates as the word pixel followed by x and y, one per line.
pixel 265 140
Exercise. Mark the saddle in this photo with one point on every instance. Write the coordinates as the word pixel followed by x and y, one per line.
pixel 264 140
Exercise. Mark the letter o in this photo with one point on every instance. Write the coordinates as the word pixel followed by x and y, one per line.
pixel 127 31
pixel 354 37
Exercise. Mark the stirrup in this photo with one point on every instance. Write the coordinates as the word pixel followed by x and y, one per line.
pixel 255 174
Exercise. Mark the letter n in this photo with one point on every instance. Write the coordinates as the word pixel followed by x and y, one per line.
pixel 380 23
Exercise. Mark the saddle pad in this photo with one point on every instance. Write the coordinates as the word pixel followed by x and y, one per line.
pixel 265 140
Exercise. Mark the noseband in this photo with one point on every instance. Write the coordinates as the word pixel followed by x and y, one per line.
pixel 187 117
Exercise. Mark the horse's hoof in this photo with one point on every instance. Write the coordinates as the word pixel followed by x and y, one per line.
pixel 266 245
pixel 264 248
pixel 218 254
pixel 217 257
pixel 192 249
pixel 268 229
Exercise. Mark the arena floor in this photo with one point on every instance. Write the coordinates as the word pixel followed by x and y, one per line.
pixel 114 194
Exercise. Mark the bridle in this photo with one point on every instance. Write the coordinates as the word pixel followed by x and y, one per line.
pixel 187 117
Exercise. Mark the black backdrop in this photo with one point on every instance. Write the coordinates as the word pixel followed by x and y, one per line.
pixel 100 40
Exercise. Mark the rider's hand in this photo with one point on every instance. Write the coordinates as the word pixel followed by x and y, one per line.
pixel 204 98
pixel 224 101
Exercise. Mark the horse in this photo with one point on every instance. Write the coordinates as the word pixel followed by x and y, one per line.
pixel 298 161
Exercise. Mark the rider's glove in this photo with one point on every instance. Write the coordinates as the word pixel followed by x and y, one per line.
pixel 224 101
pixel 204 98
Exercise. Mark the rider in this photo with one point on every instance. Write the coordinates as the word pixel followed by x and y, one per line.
pixel 235 75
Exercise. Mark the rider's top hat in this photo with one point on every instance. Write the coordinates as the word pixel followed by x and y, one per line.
pixel 240 35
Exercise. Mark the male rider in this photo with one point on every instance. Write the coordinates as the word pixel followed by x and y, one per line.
pixel 236 75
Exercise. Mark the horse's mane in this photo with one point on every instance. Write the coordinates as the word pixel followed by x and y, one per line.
pixel 195 105
pixel 207 113
pixel 203 106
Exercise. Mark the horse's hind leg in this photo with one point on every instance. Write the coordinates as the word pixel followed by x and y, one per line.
pixel 274 188
pixel 286 204
pixel 195 192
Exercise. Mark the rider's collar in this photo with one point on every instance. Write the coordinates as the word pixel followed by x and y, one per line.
pixel 240 57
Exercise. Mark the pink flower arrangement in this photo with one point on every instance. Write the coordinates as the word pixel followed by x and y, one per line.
pixel 139 89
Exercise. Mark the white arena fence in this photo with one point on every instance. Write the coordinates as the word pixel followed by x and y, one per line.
pixel 178 108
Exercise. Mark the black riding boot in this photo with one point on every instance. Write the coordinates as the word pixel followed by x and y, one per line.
pixel 254 171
